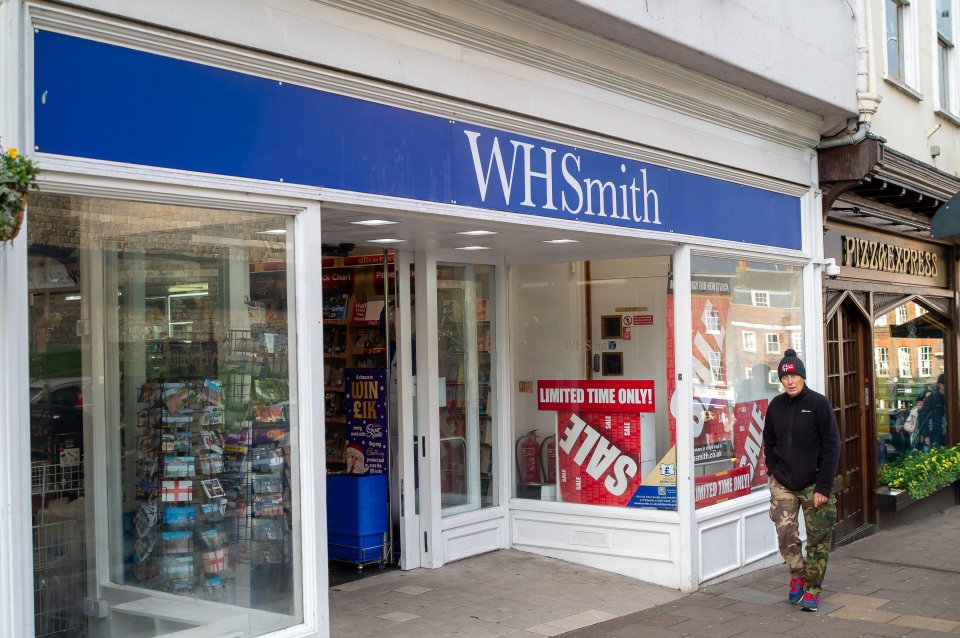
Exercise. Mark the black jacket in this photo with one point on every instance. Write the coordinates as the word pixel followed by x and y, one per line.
pixel 801 441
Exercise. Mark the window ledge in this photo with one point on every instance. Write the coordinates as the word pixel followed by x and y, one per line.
pixel 903 88
pixel 950 117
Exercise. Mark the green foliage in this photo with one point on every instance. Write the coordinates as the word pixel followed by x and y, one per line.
pixel 922 473
pixel 17 174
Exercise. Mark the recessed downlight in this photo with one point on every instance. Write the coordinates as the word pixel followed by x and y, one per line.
pixel 561 241
pixel 374 222
pixel 473 248
pixel 477 233
pixel 386 240
pixel 273 231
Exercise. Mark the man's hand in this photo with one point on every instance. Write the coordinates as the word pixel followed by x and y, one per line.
pixel 819 499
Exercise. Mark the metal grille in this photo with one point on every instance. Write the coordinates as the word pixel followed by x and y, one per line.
pixel 59 564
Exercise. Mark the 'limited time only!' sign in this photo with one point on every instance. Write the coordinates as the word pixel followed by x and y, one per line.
pixel 596 396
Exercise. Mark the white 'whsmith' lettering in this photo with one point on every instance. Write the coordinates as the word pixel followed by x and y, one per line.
pixel 624 200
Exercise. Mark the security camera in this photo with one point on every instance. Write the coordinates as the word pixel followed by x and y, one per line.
pixel 831 268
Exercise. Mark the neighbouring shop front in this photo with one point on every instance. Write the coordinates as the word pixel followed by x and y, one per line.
pixel 277 315
pixel 890 314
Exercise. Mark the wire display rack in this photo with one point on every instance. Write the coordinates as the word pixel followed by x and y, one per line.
pixel 59 562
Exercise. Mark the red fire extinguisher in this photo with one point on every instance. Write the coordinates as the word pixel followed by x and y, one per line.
pixel 548 459
pixel 528 461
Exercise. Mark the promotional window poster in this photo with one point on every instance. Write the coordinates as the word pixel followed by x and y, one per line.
pixel 599 443
pixel 365 406
pixel 748 439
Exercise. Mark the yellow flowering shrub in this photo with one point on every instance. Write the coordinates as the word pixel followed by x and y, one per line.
pixel 922 473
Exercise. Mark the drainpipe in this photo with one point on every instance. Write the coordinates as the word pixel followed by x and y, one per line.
pixel 867 97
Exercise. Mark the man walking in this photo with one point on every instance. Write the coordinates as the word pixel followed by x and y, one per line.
pixel 802 449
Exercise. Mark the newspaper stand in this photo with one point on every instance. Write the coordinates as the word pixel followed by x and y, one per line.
pixel 59 561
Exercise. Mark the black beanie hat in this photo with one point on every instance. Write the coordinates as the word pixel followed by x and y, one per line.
pixel 791 364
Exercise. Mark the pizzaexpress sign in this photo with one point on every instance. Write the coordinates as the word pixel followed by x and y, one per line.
pixel 888 257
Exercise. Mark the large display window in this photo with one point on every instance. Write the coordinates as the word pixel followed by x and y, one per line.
pixel 745 314
pixel 163 418
pixel 908 355
pixel 590 351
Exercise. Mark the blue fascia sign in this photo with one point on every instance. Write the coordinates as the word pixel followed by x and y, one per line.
pixel 107 102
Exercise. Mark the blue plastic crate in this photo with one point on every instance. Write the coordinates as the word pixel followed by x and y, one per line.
pixel 356 505
pixel 355 549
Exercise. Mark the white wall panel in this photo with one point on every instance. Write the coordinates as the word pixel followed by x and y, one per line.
pixel 719 547
pixel 643 549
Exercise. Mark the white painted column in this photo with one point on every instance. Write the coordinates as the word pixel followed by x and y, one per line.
pixel 683 352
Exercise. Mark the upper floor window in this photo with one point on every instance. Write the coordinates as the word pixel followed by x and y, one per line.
pixel 711 320
pixel 946 55
pixel 900 41
pixel 761 299
pixel 903 361
pixel 773 343
pixel 749 341
pixel 716 367
pixel 926 361
pixel 796 340
pixel 882 361
pixel 901 314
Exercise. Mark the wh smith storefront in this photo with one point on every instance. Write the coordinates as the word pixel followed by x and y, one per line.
pixel 244 271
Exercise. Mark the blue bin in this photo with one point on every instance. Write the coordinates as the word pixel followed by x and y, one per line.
pixel 356 516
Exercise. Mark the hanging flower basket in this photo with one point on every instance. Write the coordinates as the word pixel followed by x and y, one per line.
pixel 17 175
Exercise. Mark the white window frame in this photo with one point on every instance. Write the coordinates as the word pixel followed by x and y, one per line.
pixel 924 363
pixel 881 358
pixel 948 91
pixel 903 357
pixel 716 368
pixel 775 340
pixel 908 45
pixel 711 321
pixel 796 340
pixel 902 315
pixel 761 298
pixel 772 377
pixel 749 341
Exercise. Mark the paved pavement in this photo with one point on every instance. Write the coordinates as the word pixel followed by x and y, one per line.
pixel 902 582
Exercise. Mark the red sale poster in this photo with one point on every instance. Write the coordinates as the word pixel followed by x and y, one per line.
pixel 722 486
pixel 598 437
pixel 748 439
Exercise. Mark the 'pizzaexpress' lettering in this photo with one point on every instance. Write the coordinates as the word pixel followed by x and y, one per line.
pixel 883 257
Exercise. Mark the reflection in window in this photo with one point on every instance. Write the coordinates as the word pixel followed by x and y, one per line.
pixel 797 342
pixel 196 392
pixel 773 343
pixel 712 321
pixel 882 361
pixel 729 404
pixel 909 407
pixel 903 360
pixel 895 39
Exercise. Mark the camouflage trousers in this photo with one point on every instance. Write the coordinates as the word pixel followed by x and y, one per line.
pixel 785 506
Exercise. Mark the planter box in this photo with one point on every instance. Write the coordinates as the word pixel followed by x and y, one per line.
pixel 897 507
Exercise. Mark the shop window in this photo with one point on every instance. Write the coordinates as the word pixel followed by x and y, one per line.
pixel 183 314
pixel 591 417
pixel 749 341
pixel 773 343
pixel 467 368
pixel 910 408
pixel 882 361
pixel 730 403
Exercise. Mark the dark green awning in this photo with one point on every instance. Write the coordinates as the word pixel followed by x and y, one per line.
pixel 946 221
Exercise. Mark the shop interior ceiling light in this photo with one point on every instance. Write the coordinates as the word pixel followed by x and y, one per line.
pixel 386 240
pixel 274 231
pixel 477 233
pixel 473 248
pixel 561 241
pixel 374 222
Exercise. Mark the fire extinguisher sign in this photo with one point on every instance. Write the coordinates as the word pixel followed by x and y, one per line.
pixel 598 437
